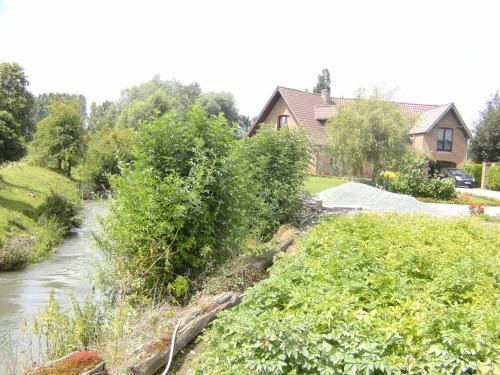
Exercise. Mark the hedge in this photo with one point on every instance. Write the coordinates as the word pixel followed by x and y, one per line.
pixel 494 177
pixel 475 171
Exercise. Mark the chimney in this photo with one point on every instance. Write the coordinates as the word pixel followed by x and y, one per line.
pixel 325 95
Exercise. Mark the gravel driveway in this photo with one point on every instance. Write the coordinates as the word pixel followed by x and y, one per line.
pixel 353 194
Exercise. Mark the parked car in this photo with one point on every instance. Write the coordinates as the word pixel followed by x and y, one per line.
pixel 462 179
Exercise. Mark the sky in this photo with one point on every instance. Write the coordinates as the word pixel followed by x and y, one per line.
pixel 431 52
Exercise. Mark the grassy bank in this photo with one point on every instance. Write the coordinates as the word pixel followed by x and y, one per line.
pixel 370 294
pixel 24 234
pixel 316 184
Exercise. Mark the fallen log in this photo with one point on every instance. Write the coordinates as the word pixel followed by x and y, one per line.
pixel 155 354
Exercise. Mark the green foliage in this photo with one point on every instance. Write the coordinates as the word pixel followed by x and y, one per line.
pixel 61 209
pixel 106 149
pixel 66 331
pixel 494 177
pixel 103 116
pixel 220 102
pixel 412 180
pixel 179 288
pixel 370 294
pixel 184 202
pixel 15 97
pixel 278 160
pixel 474 170
pixel 369 132
pixel 324 82
pixel 12 145
pixel 59 141
pixel 155 97
pixel 43 101
pixel 485 146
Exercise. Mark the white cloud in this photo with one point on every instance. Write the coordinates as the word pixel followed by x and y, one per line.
pixel 434 52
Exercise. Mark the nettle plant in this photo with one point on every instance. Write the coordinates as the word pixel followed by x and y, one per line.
pixel 370 295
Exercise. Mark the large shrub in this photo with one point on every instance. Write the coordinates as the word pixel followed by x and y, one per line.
pixel 494 177
pixel 106 149
pixel 279 160
pixel 370 294
pixel 411 179
pixel 185 201
pixel 61 209
pixel 474 170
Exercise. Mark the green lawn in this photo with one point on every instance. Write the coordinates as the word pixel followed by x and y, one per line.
pixel 23 189
pixel 316 184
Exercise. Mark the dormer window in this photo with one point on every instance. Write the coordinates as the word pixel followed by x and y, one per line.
pixel 283 122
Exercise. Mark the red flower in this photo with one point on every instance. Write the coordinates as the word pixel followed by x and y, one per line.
pixel 472 206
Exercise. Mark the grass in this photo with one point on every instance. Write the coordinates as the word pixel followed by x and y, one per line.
pixel 316 184
pixel 370 294
pixel 23 189
pixel 464 198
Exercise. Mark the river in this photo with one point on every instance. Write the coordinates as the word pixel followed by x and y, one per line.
pixel 23 293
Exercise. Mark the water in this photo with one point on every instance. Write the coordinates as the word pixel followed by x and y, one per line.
pixel 23 293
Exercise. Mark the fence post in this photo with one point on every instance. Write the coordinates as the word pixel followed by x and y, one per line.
pixel 483 175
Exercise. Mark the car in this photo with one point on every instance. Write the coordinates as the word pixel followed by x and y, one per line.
pixel 461 178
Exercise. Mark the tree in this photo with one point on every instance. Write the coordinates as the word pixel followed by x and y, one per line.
pixel 42 102
pixel 12 145
pixel 15 98
pixel 154 98
pixel 369 132
pixel 59 141
pixel 103 116
pixel 324 82
pixel 220 102
pixel 485 146
pixel 244 125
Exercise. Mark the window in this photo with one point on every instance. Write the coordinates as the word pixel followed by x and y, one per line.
pixel 445 139
pixel 282 122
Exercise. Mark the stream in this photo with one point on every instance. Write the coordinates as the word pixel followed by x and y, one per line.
pixel 24 293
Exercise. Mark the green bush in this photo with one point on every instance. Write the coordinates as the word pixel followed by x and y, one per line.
pixel 475 171
pixel 106 149
pixel 412 180
pixel 370 294
pixel 61 209
pixel 494 177
pixel 185 202
pixel 279 161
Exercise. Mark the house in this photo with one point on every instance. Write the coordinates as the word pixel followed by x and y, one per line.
pixel 438 131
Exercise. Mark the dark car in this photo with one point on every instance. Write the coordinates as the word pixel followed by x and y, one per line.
pixel 462 179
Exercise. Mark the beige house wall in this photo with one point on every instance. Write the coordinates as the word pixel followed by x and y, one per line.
pixel 427 143
pixel 279 109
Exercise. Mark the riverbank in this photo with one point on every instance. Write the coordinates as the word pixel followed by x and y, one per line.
pixel 25 237
pixel 24 293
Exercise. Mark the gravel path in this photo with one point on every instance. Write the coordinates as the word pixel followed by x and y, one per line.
pixel 481 192
pixel 353 194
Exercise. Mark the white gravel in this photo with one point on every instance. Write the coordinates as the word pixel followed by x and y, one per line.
pixel 353 194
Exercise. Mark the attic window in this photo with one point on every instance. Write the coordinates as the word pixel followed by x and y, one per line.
pixel 445 139
pixel 283 122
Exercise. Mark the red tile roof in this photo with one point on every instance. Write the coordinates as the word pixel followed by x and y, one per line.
pixel 308 108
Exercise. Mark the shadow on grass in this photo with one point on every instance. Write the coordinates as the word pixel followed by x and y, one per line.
pixel 21 207
pixel 5 184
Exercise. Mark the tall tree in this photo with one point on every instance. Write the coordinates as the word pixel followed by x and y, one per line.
pixel 324 81
pixel 369 132
pixel 220 102
pixel 485 146
pixel 12 146
pixel 103 116
pixel 15 97
pixel 42 102
pixel 155 97
pixel 59 141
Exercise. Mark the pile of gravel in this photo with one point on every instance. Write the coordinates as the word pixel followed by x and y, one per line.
pixel 353 194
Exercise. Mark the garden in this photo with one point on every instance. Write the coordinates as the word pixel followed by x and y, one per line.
pixel 370 294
